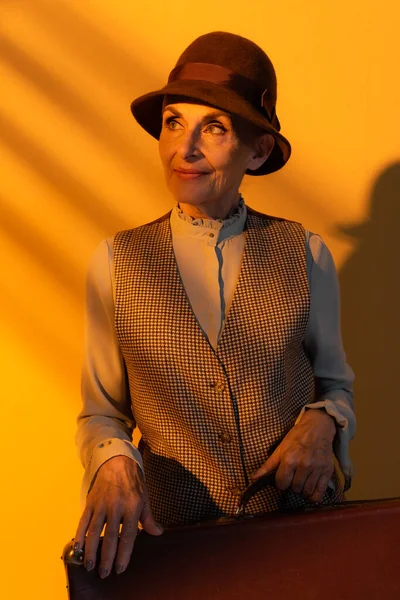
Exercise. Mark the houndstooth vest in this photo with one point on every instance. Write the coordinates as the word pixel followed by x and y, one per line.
pixel 209 418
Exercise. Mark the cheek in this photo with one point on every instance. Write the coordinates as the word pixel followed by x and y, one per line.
pixel 241 158
pixel 165 152
pixel 231 162
pixel 222 156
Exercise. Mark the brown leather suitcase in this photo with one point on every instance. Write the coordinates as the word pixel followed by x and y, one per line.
pixel 348 551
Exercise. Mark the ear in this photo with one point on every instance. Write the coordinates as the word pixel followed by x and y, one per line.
pixel 263 146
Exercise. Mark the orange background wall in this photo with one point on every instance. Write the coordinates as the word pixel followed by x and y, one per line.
pixel 75 168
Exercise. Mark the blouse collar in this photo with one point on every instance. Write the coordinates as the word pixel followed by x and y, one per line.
pixel 211 230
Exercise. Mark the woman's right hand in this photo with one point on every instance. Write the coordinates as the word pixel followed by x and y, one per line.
pixel 119 494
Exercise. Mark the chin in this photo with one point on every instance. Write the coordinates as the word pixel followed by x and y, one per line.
pixel 190 197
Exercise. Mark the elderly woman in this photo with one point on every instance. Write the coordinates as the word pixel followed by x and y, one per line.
pixel 214 329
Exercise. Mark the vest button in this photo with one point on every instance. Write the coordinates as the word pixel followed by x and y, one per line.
pixel 236 490
pixel 219 386
pixel 224 438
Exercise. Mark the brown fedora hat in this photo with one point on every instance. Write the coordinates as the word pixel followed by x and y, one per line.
pixel 229 72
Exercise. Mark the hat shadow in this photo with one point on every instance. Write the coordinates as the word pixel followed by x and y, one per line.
pixel 370 293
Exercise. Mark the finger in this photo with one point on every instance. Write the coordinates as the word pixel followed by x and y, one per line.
pixel 146 517
pixel 299 478
pixel 285 473
pixel 320 488
pixel 83 525
pixel 271 464
pixel 92 539
pixel 311 483
pixel 126 543
pixel 110 543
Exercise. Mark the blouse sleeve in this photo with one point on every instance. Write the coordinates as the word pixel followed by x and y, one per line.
pixel 105 423
pixel 324 347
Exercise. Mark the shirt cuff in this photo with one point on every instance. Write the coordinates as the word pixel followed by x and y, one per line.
pixel 108 448
pixel 341 440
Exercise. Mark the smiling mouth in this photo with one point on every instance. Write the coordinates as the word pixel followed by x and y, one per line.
pixel 184 175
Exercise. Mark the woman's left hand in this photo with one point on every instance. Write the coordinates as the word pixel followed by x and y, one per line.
pixel 304 458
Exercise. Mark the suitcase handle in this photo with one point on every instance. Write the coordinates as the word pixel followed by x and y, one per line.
pixel 252 489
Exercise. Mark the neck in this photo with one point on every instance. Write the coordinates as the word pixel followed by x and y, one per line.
pixel 221 209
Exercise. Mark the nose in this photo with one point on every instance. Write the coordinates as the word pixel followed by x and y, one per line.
pixel 189 143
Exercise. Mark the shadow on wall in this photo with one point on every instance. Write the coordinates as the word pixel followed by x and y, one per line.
pixel 370 290
pixel 81 41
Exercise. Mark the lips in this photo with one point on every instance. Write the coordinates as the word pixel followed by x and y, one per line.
pixel 189 174
pixel 183 170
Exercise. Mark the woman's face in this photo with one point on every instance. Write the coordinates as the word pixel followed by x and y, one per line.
pixel 201 138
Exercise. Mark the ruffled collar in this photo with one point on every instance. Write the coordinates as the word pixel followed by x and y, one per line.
pixel 213 231
pixel 214 223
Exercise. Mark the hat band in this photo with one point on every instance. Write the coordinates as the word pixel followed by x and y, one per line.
pixel 246 88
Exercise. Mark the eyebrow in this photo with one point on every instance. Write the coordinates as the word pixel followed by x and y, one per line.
pixel 211 115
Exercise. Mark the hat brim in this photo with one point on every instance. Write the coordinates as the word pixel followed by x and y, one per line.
pixel 147 110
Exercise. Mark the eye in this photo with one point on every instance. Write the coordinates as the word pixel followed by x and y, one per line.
pixel 220 128
pixel 172 124
pixel 169 121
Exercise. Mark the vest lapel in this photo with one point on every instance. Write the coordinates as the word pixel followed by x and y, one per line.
pixel 183 297
pixel 238 287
